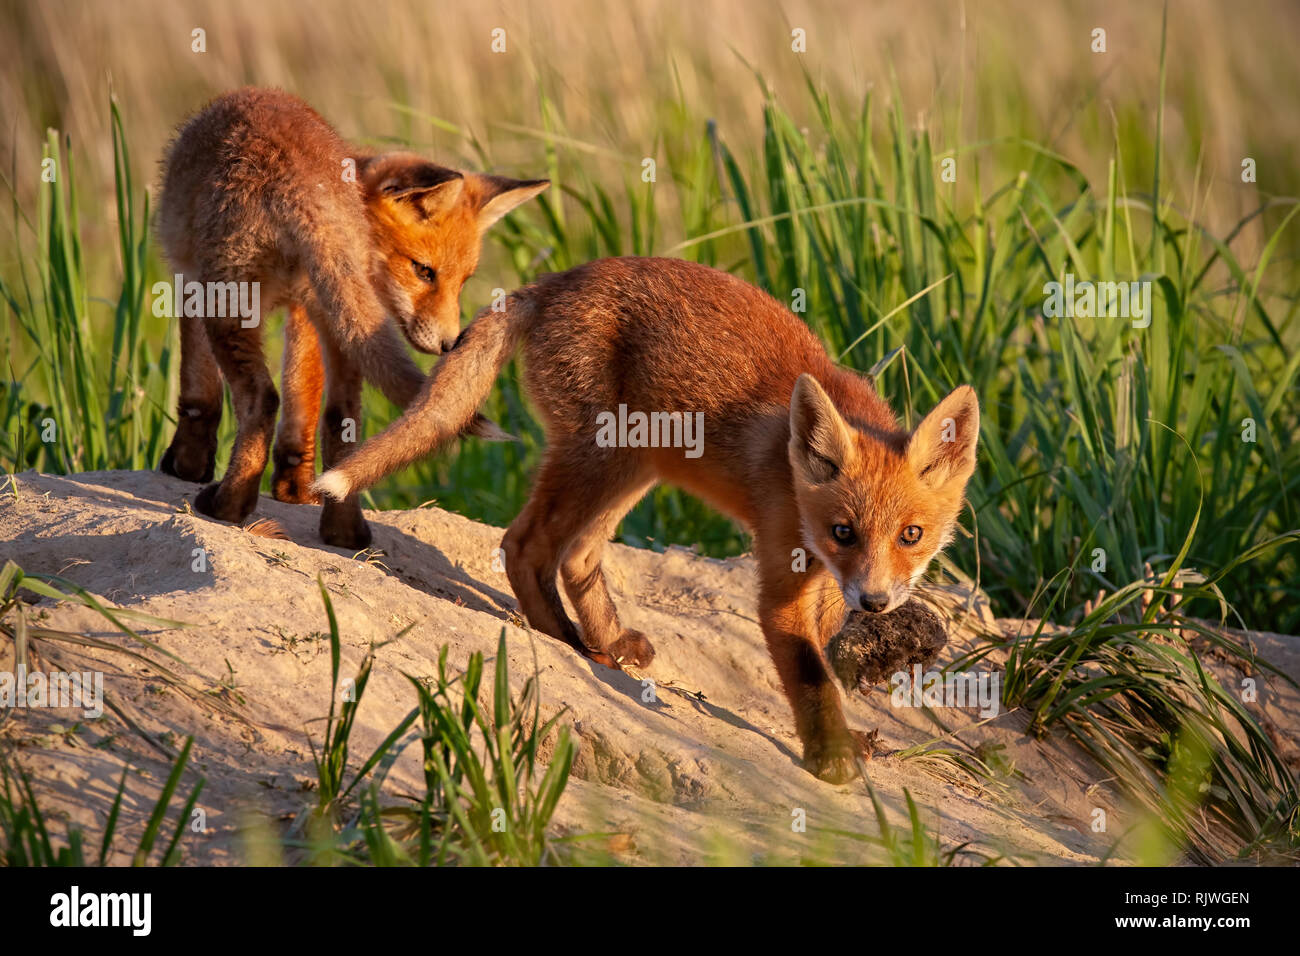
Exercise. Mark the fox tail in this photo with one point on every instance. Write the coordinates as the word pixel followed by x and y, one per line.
pixel 447 405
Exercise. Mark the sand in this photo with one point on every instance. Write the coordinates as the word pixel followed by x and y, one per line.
pixel 707 770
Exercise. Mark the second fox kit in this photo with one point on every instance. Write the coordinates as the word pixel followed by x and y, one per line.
pixel 804 453
pixel 258 188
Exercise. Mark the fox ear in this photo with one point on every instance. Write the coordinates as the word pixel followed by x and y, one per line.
pixel 820 440
pixel 498 195
pixel 426 187
pixel 942 448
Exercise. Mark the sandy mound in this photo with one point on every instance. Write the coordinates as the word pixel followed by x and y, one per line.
pixel 711 766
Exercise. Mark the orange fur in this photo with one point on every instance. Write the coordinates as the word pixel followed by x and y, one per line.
pixel 794 446
pixel 258 188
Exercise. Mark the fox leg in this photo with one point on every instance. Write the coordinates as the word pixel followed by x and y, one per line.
pixel 798 614
pixel 584 578
pixel 192 454
pixel 341 522
pixel 349 315
pixel 239 355
pixel 359 342
pixel 301 383
pixel 552 520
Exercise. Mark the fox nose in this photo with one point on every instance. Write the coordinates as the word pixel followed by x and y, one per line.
pixel 875 603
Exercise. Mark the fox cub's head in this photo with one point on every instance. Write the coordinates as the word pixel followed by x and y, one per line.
pixel 876 507
pixel 427 222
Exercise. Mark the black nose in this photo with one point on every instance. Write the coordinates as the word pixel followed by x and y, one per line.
pixel 875 603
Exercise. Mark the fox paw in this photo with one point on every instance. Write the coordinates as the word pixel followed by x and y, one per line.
pixel 292 478
pixel 188 464
pixel 345 529
pixel 630 649
pixel 633 648
pixel 834 758
pixel 216 501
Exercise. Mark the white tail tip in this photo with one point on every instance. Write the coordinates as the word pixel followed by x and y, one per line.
pixel 333 484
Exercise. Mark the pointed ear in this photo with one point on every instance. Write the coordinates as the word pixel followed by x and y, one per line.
pixel 820 440
pixel 498 195
pixel 941 450
pixel 425 187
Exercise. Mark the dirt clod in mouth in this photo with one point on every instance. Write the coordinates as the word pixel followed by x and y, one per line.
pixel 871 647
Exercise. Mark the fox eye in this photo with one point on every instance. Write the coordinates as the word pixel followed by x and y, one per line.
pixel 842 533
pixel 427 274
pixel 911 534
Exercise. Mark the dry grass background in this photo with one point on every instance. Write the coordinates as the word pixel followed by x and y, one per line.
pixel 971 71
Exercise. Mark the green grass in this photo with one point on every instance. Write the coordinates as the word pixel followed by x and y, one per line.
pixel 1128 684
pixel 83 399
pixel 487 799
pixel 26 840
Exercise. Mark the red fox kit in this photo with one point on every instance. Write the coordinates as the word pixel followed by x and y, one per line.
pixel 804 453
pixel 260 193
